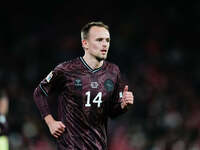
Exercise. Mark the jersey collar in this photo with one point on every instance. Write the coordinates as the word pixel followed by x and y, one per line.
pixel 88 67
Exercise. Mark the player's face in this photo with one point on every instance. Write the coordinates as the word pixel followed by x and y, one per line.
pixel 98 43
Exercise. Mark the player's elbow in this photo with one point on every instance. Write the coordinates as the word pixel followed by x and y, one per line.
pixel 36 94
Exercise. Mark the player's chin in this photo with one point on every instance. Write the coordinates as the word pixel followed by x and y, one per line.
pixel 102 58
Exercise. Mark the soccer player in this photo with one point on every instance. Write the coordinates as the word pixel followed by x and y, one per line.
pixel 90 90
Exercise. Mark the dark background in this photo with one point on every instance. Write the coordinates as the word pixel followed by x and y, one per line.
pixel 155 44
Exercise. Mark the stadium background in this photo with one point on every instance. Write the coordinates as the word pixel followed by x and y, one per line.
pixel 155 44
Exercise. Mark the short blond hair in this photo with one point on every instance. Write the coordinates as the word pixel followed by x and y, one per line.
pixel 86 28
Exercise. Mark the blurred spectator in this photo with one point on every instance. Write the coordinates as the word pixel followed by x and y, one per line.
pixel 4 107
pixel 120 140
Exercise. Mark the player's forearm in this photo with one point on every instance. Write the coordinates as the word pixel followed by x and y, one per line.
pixel 41 102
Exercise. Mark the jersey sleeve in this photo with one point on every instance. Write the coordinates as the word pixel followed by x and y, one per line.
pixel 42 94
pixel 115 104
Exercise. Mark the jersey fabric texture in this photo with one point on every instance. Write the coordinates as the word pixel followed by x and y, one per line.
pixel 85 98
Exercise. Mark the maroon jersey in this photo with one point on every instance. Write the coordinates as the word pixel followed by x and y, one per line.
pixel 87 98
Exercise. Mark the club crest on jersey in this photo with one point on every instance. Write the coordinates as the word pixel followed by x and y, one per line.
pixel 109 85
pixel 49 76
pixel 78 84
pixel 94 85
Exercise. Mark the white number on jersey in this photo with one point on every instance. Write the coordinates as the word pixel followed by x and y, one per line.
pixel 97 99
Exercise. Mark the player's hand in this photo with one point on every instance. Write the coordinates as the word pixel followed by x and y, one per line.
pixel 56 128
pixel 127 98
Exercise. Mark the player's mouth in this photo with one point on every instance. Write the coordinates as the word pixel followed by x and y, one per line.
pixel 103 50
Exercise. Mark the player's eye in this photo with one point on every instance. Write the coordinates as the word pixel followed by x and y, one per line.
pixel 99 39
pixel 108 40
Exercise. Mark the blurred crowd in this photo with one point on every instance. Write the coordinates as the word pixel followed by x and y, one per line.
pixel 154 45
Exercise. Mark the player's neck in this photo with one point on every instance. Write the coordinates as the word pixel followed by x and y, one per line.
pixel 92 62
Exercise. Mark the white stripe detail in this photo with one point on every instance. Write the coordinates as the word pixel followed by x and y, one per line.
pixel 89 68
pixel 43 90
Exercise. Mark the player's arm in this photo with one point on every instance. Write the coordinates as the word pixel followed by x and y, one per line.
pixel 41 96
pixel 121 98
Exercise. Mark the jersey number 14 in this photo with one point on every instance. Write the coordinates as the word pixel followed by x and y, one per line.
pixel 97 99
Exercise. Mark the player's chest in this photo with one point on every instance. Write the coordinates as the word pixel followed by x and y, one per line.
pixel 92 88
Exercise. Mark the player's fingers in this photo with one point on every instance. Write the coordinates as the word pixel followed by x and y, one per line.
pixel 130 102
pixel 56 135
pixel 124 102
pixel 129 93
pixel 62 125
pixel 60 130
pixel 124 97
pixel 125 89
pixel 57 130
pixel 128 97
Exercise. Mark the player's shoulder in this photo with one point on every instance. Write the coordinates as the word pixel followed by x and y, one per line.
pixel 66 65
pixel 112 66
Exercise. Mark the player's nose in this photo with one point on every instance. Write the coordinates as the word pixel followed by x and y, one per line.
pixel 105 43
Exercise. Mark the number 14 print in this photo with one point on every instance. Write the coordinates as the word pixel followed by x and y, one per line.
pixel 97 99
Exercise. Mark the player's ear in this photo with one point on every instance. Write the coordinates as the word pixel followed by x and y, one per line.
pixel 85 44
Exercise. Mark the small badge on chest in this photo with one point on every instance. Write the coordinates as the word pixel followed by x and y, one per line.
pixel 94 85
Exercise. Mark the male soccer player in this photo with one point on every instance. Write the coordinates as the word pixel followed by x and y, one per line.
pixel 90 91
